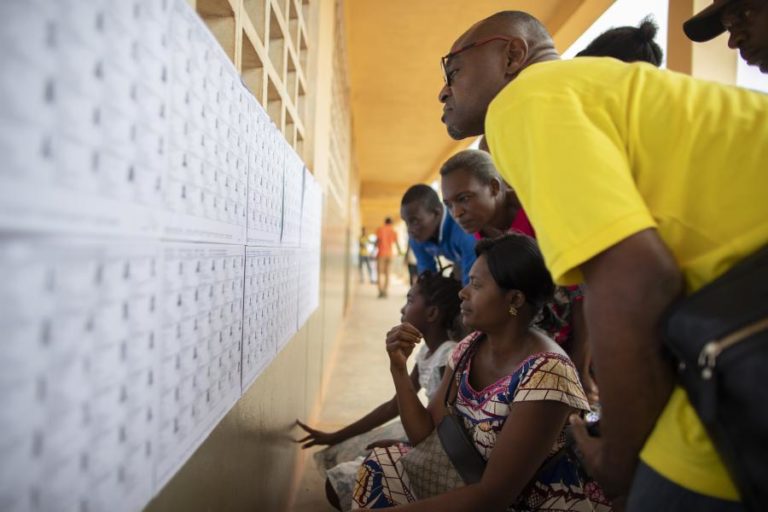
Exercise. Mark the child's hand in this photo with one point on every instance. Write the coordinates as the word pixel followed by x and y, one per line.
pixel 317 437
pixel 400 342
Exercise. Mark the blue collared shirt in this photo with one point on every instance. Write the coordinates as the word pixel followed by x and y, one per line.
pixel 453 243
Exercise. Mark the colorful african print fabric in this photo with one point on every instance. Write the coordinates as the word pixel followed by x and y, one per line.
pixel 340 462
pixel 556 317
pixel 560 485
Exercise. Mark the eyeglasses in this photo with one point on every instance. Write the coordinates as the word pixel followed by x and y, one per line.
pixel 444 60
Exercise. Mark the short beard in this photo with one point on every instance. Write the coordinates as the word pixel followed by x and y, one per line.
pixel 455 133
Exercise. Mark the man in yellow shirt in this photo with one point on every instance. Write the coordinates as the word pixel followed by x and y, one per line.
pixel 643 184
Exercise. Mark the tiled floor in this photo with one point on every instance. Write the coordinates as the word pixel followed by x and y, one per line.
pixel 359 378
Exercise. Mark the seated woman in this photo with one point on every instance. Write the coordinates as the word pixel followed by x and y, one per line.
pixel 432 306
pixel 482 203
pixel 514 391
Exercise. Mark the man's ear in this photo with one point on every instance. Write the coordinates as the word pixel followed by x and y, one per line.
pixel 517 53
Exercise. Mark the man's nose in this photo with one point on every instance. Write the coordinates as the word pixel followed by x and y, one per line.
pixel 445 92
pixel 735 37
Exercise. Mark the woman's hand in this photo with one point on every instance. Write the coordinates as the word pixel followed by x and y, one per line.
pixel 316 437
pixel 400 342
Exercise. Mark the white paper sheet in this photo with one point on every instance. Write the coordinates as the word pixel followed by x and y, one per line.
pixel 265 178
pixel 293 180
pixel 261 311
pixel 205 194
pixel 202 314
pixel 78 371
pixel 136 168
pixel 78 129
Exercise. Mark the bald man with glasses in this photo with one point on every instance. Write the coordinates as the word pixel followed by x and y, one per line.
pixel 638 182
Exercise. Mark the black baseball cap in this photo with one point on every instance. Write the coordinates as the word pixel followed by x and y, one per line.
pixel 706 24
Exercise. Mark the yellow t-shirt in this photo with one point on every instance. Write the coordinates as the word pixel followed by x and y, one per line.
pixel 598 150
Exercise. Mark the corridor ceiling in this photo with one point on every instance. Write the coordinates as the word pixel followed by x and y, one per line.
pixel 394 49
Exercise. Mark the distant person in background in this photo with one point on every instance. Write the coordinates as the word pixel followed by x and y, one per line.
pixel 365 256
pixel 630 44
pixel 385 239
pixel 433 233
pixel 747 24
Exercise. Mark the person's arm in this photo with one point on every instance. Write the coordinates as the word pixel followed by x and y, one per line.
pixel 418 421
pixel 629 286
pixel 581 350
pixel 578 335
pixel 424 260
pixel 379 416
pixel 521 448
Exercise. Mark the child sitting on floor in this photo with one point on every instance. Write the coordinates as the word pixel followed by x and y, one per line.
pixel 433 306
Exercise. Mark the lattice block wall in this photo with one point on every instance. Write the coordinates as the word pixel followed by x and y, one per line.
pixel 267 40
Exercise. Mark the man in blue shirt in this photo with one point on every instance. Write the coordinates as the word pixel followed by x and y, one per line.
pixel 432 233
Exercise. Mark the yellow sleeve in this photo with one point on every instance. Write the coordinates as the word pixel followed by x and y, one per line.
pixel 567 161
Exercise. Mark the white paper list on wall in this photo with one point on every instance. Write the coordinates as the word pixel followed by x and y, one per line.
pixel 202 315
pixel 78 375
pixel 261 311
pixel 309 254
pixel 137 169
pixel 311 212
pixel 206 189
pixel 288 278
pixel 82 125
pixel 293 179
pixel 265 178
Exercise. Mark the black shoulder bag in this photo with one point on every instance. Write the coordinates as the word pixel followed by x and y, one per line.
pixel 456 441
pixel 719 335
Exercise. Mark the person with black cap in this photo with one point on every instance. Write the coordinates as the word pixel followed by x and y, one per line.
pixel 745 20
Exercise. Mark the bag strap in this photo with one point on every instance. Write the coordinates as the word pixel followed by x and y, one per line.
pixel 459 365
